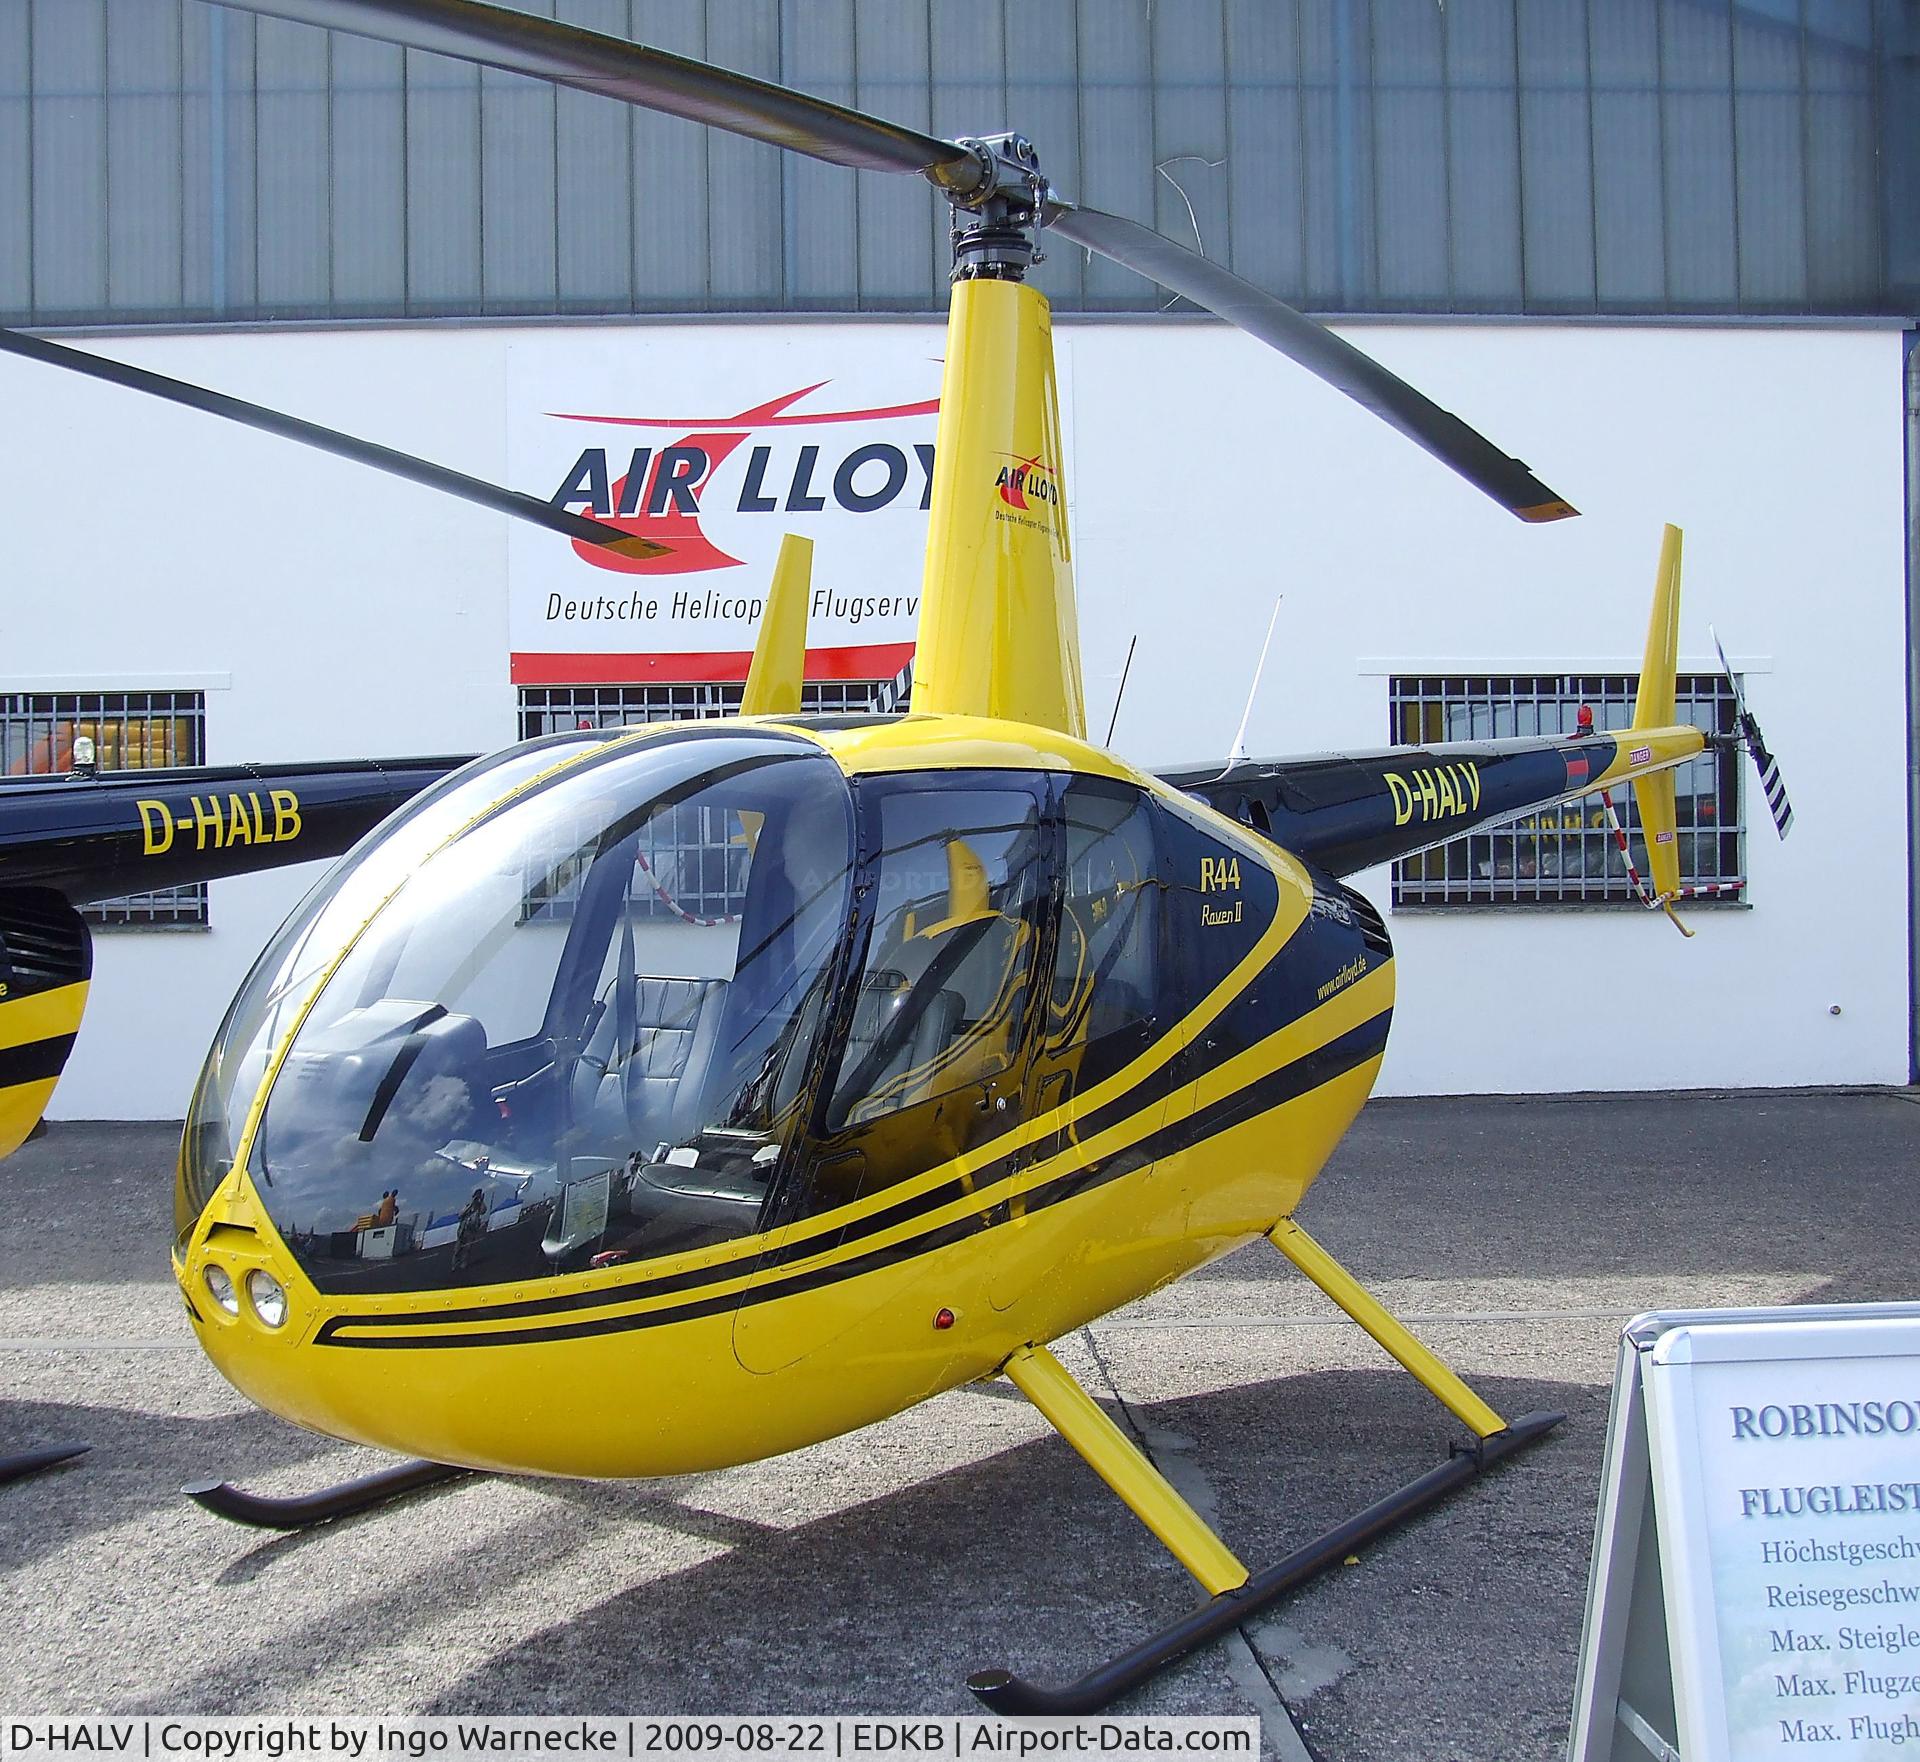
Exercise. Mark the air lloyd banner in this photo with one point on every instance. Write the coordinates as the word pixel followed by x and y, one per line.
pixel 714 441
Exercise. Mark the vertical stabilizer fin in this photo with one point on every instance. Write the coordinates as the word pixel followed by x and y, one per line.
pixel 1656 707
pixel 999 635
pixel 780 650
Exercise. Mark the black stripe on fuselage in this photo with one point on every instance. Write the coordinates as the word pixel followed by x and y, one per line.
pixel 36 1061
pixel 1312 1070
pixel 1263 1006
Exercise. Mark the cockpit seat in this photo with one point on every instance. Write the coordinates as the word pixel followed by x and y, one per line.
pixel 640 1096
pixel 939 1024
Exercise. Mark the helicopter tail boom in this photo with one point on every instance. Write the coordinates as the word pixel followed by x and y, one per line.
pixel 1349 811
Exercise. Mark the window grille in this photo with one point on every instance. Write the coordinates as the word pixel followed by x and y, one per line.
pixel 130 731
pixel 1567 855
pixel 552 709
pixel 693 865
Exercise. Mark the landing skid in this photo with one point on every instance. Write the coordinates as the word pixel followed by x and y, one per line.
pixel 303 1510
pixel 1234 1593
pixel 1003 1692
pixel 14 1468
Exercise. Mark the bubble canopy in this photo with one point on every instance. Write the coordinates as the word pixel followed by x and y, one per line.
pixel 576 1029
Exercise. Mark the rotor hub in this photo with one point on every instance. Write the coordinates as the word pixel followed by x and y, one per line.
pixel 996 223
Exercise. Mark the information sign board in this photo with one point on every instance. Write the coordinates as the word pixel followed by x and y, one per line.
pixel 1755 1591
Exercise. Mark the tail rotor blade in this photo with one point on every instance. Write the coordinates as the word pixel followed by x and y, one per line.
pixel 1315 348
pixel 1772 785
pixel 329 440
pixel 1770 781
pixel 892 694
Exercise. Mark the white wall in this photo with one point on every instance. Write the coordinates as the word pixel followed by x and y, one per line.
pixel 334 612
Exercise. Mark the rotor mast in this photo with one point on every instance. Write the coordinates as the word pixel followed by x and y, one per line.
pixel 999 633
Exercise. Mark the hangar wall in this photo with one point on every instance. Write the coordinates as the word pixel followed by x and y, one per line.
pixel 329 612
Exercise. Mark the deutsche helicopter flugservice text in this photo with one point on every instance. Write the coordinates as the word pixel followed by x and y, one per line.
pixel 848 608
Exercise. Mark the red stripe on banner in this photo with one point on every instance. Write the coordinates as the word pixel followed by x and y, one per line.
pixel 880 660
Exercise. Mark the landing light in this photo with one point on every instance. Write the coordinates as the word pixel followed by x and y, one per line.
pixel 221 1287
pixel 268 1297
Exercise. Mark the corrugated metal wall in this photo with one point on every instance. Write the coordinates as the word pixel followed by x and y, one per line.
pixel 166 159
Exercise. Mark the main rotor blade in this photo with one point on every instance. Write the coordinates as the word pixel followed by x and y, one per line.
pixel 343 446
pixel 1316 348
pixel 589 61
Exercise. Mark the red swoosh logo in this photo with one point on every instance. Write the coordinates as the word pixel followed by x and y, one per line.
pixel 689 548
pixel 771 414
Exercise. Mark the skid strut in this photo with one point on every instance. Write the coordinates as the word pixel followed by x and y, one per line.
pixel 1236 1596
pixel 1004 1692
pixel 26 1462
pixel 303 1510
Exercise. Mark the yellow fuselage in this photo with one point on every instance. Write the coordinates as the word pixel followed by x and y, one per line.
pixel 785 1337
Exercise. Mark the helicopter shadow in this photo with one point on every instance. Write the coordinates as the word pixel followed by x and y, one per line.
pixel 138 1462
pixel 1019 1558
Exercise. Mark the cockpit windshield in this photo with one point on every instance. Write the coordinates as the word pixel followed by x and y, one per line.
pixel 578 1034
pixel 276 989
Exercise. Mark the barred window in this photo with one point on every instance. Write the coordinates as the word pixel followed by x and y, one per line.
pixel 693 865
pixel 552 709
pixel 1568 855
pixel 130 731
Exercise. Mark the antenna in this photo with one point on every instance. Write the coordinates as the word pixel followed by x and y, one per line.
pixel 1127 668
pixel 1238 753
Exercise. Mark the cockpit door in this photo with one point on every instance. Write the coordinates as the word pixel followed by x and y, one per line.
pixel 931 1046
pixel 1100 1080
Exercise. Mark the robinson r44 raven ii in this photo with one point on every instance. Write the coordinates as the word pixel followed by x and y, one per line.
pixel 979 1031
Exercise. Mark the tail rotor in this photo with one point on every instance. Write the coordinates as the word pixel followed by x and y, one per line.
pixel 1771 783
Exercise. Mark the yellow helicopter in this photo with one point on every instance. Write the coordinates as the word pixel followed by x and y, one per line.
pixel 641 1102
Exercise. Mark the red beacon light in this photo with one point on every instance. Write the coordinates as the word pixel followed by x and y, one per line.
pixel 1583 720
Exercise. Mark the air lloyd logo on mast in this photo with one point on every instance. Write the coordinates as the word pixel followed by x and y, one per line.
pixel 663 492
pixel 1027 481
